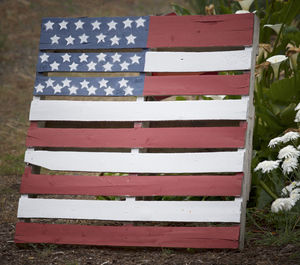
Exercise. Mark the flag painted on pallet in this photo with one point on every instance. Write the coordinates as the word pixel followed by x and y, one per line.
pixel 146 32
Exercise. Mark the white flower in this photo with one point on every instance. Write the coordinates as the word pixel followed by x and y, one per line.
pixel 297 118
pixel 288 189
pixel 245 4
pixel 289 164
pixel 275 27
pixel 288 152
pixel 275 63
pixel 290 136
pixel 295 194
pixel 275 141
pixel 282 204
pixel 242 12
pixel 267 166
pixel 298 107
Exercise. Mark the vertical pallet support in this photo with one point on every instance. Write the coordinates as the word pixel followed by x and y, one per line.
pixel 246 186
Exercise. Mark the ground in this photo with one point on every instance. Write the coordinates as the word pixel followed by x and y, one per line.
pixel 19 38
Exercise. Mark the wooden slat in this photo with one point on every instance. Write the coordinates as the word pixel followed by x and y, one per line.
pixel 143 85
pixel 60 110
pixel 175 211
pixel 197 61
pixel 137 163
pixel 132 185
pixel 179 237
pixel 150 62
pixel 200 31
pixel 197 85
pixel 180 137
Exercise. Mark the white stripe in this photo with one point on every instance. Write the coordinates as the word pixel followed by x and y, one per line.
pixel 197 61
pixel 177 211
pixel 138 162
pixel 138 111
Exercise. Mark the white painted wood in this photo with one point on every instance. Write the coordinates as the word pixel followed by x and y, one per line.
pixel 138 111
pixel 177 211
pixel 198 61
pixel 138 162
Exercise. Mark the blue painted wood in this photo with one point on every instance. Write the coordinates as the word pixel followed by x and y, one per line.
pixel 94 33
pixel 91 62
pixel 89 86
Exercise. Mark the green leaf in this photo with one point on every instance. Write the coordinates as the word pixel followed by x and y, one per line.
pixel 179 10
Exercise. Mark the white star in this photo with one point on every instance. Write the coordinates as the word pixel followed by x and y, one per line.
pixel 140 22
pixel 49 82
pixel 84 84
pixel 49 25
pixel 101 57
pixel 116 57
pixel 66 57
pixel 96 25
pixel 83 57
pixel 101 37
pixel 92 90
pixel 112 25
pixel 128 90
pixel 54 66
pixel 73 90
pixel 127 23
pixel 135 59
pixel 57 89
pixel 114 40
pixel 70 40
pixel 44 57
pixel 124 65
pixel 54 39
pixel 63 25
pixel 103 83
pixel 91 66
pixel 73 66
pixel 39 88
pixel 107 66
pixel 79 24
pixel 123 82
pixel 130 39
pixel 83 38
pixel 66 82
pixel 109 91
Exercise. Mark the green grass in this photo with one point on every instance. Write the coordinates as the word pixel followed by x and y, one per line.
pixel 11 164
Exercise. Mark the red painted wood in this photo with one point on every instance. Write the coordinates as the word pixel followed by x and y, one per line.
pixel 200 31
pixel 146 236
pixel 197 85
pixel 180 137
pixel 132 185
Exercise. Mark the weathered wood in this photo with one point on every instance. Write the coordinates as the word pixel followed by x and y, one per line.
pixel 175 211
pixel 209 162
pixel 62 110
pixel 132 185
pixel 177 137
pixel 179 237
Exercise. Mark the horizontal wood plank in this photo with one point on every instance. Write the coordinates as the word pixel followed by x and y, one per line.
pixel 177 137
pixel 198 61
pixel 142 85
pixel 201 31
pixel 62 110
pixel 138 163
pixel 146 236
pixel 169 211
pixel 148 62
pixel 132 185
pixel 197 85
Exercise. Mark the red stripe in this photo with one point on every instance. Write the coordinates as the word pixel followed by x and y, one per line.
pixel 197 85
pixel 181 137
pixel 178 237
pixel 200 31
pixel 132 185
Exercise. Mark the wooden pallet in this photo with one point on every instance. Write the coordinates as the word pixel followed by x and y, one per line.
pixel 95 110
